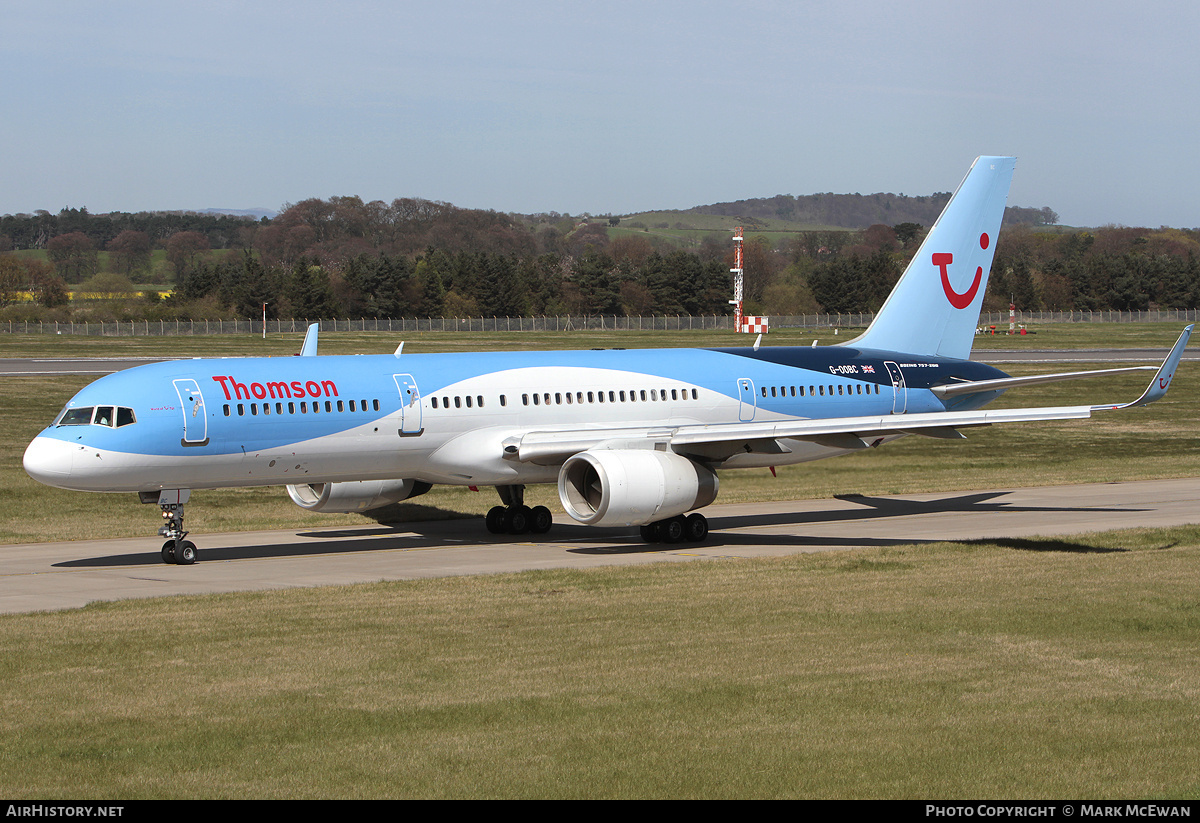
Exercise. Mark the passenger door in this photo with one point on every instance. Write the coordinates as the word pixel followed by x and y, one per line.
pixel 410 405
pixel 749 402
pixel 899 390
pixel 195 418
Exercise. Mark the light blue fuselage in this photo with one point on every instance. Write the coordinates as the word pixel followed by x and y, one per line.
pixel 444 418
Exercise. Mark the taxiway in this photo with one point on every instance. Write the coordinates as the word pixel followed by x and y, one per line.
pixel 48 576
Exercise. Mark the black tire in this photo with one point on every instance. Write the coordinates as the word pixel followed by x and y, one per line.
pixel 673 529
pixel 540 520
pixel 518 519
pixel 495 519
pixel 695 528
pixel 651 532
pixel 168 552
pixel 185 553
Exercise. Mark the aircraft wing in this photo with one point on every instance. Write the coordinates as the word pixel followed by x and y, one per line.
pixel 1162 379
pixel 725 440
pixel 551 447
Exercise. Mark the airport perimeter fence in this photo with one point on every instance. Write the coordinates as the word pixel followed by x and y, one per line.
pixel 402 325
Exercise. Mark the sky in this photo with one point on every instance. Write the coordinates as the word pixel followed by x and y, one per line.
pixel 604 107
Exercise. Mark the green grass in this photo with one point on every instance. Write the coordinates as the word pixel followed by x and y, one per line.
pixel 1048 336
pixel 1037 669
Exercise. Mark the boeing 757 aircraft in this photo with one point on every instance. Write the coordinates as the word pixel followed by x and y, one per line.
pixel 632 438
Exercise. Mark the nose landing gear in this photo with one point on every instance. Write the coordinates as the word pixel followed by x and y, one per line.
pixel 176 550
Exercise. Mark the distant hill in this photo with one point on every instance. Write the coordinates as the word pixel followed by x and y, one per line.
pixel 257 214
pixel 856 211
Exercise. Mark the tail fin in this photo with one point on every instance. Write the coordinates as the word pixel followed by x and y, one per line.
pixel 934 308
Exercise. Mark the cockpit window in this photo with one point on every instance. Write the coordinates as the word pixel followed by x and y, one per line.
pixel 103 416
pixel 76 417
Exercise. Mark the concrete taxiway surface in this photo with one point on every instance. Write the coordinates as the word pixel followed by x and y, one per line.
pixel 64 575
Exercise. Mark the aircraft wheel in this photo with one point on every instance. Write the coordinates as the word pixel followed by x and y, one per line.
pixel 168 552
pixel 695 528
pixel 495 520
pixel 652 532
pixel 673 529
pixel 185 555
pixel 540 520
pixel 518 519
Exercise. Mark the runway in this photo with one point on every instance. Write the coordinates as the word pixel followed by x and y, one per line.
pixel 50 576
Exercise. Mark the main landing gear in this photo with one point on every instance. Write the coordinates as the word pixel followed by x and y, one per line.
pixel 678 529
pixel 514 517
pixel 176 550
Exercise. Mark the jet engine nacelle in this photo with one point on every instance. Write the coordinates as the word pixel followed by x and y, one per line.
pixel 633 487
pixel 354 496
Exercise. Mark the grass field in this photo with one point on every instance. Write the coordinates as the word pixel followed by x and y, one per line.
pixel 1038 669
pixel 1012 669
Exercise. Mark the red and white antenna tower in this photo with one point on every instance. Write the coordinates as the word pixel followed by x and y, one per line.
pixel 737 279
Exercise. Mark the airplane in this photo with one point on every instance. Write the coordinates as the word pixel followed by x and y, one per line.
pixel 630 437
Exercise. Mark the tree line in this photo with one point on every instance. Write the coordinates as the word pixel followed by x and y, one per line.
pixel 418 258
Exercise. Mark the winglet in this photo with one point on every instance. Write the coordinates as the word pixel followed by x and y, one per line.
pixel 1162 379
pixel 309 348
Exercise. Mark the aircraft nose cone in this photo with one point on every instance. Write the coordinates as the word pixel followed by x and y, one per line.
pixel 48 461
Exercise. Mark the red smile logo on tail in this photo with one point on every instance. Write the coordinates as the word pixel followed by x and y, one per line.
pixel 943 260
